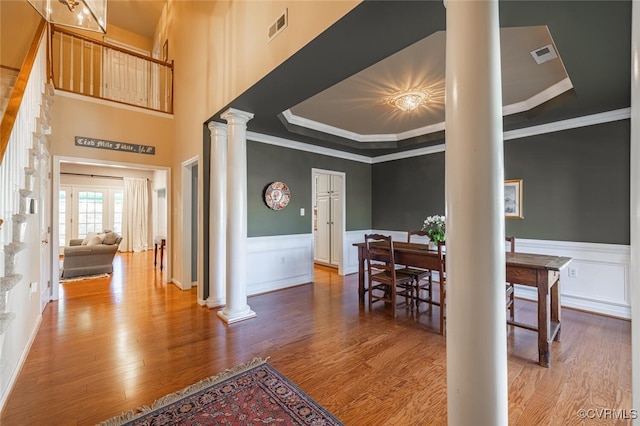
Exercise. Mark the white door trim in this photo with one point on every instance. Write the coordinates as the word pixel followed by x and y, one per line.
pixel 187 171
pixel 343 221
pixel 57 160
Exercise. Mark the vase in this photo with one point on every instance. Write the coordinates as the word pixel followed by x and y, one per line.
pixel 433 245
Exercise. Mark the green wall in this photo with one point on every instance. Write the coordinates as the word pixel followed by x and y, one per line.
pixel 575 186
pixel 268 163
pixel 407 191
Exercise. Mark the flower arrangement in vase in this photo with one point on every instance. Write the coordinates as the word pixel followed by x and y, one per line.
pixel 435 227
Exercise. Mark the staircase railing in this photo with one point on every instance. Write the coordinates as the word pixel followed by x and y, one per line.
pixel 24 162
pixel 11 113
pixel 102 70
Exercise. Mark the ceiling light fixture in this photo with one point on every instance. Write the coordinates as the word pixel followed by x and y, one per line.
pixel 408 101
pixel 84 14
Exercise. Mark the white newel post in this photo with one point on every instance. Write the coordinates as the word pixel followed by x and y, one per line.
pixel 237 308
pixel 218 216
pixel 477 390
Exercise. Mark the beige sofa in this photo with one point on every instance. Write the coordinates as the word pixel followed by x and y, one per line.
pixel 91 256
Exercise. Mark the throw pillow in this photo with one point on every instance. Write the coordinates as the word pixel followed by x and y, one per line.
pixel 88 238
pixel 95 240
pixel 110 238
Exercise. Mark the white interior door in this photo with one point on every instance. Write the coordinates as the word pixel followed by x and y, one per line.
pixel 126 77
pixel 328 217
pixel 323 232
pixel 336 220
pixel 46 253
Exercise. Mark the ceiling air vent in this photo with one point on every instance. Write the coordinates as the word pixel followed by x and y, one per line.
pixel 278 26
pixel 544 54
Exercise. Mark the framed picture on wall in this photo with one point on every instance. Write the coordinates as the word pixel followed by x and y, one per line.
pixel 513 199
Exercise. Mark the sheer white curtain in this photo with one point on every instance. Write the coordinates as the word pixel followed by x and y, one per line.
pixel 135 215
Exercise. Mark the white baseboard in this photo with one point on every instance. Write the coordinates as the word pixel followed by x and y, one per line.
pixel 23 357
pixel 278 262
pixel 177 283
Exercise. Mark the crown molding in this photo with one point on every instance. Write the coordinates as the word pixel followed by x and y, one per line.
pixel 408 154
pixel 572 123
pixel 336 131
pixel 534 101
pixel 301 146
pixel 539 98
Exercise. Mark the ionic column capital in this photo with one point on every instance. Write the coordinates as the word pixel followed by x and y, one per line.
pixel 236 116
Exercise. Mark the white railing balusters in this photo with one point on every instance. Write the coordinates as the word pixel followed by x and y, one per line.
pixel 71 66
pixel 60 61
pixel 91 71
pixel 81 66
pixel 123 76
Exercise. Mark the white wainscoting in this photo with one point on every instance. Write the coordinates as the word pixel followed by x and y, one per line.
pixel 601 282
pixel 600 285
pixel 350 252
pixel 278 262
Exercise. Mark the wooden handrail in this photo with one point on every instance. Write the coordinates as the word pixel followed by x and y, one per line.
pixel 11 113
pixel 55 29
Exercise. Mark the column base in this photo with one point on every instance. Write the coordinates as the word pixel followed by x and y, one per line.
pixel 215 303
pixel 231 317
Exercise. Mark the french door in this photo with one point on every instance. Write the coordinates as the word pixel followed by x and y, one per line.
pixel 88 209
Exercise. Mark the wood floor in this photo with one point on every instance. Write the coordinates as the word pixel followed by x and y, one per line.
pixel 113 344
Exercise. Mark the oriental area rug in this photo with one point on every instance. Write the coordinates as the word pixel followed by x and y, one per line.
pixel 83 277
pixel 251 394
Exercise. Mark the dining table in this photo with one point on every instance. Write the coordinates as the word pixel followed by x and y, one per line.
pixel 533 270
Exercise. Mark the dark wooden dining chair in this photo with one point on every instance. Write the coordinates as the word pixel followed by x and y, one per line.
pixel 442 276
pixel 510 289
pixel 421 277
pixel 442 272
pixel 385 284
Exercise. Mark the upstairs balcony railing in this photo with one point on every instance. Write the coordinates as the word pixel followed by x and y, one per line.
pixel 93 68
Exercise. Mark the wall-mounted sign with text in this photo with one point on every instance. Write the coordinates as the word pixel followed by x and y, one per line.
pixel 115 146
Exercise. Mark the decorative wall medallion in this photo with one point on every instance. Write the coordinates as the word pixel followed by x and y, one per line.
pixel 277 195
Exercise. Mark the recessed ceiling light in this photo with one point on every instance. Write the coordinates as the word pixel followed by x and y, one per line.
pixel 408 101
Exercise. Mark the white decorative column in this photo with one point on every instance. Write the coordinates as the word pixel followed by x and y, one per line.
pixel 634 267
pixel 477 390
pixel 237 308
pixel 218 216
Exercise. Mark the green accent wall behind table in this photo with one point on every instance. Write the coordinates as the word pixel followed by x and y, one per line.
pixel 575 186
pixel 268 163
pixel 407 191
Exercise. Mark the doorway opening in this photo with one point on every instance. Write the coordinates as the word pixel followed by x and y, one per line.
pixel 329 217
pixel 91 192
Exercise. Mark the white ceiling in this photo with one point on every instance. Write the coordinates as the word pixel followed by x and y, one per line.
pixel 357 108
